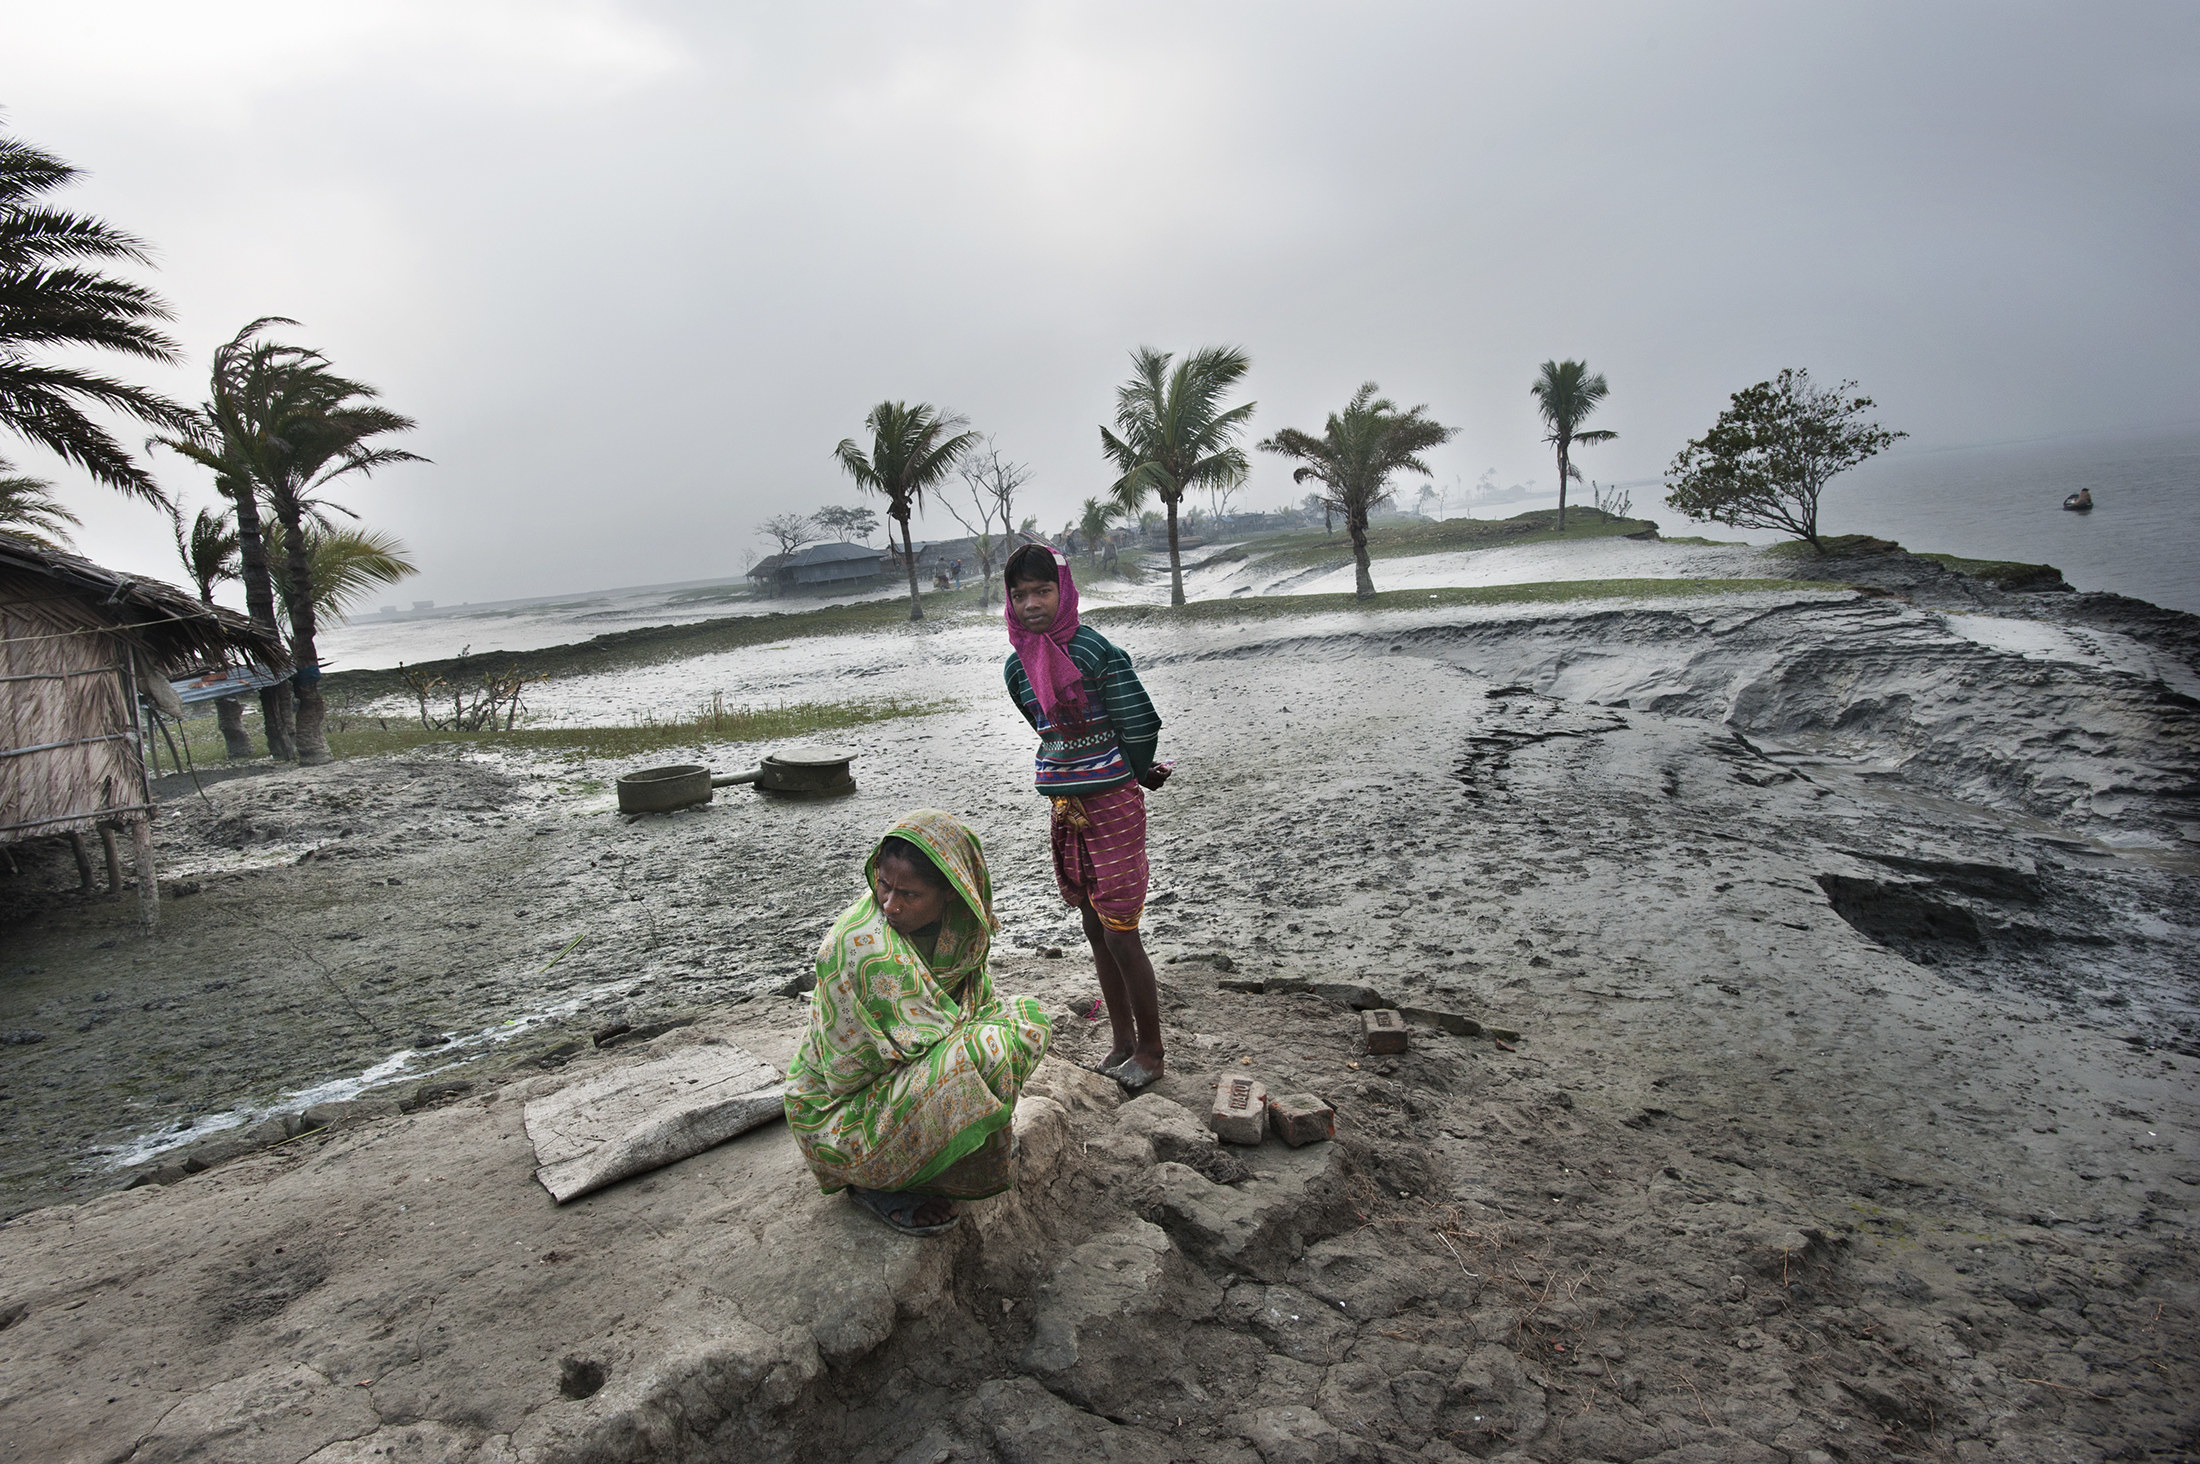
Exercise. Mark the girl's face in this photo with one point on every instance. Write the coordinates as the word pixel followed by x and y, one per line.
pixel 904 897
pixel 1036 603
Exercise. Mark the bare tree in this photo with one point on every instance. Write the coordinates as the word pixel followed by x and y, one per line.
pixel 993 485
pixel 790 531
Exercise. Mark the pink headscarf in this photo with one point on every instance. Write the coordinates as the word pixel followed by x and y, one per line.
pixel 1054 677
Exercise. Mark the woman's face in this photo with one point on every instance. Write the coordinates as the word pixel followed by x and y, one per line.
pixel 904 897
pixel 1037 602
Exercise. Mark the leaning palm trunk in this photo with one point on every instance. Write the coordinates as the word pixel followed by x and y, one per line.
pixel 229 713
pixel 312 742
pixel 259 600
pixel 1363 581
pixel 909 562
pixel 1564 468
pixel 1176 557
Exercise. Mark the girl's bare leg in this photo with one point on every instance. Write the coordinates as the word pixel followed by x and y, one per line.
pixel 1132 995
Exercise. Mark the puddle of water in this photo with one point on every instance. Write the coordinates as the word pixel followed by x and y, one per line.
pixel 397 1067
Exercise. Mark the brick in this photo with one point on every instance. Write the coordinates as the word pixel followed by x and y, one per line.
pixel 1301 1118
pixel 1240 1114
pixel 1385 1030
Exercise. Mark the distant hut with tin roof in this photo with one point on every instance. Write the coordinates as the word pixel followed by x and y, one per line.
pixel 79 646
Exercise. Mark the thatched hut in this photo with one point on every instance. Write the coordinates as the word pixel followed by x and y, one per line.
pixel 78 646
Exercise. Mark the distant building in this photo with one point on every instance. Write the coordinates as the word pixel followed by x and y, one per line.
pixel 423 604
pixel 822 569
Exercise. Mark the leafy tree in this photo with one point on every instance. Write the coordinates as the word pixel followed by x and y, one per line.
pixel 790 531
pixel 912 449
pixel 279 426
pixel 1359 451
pixel 1767 459
pixel 208 549
pixel 858 524
pixel 54 297
pixel 993 486
pixel 1175 434
pixel 28 510
pixel 1566 394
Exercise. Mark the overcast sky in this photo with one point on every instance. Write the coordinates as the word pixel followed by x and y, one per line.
pixel 637 267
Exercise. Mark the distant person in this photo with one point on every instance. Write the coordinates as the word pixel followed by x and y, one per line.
pixel 1098 733
pixel 903 1087
pixel 958 571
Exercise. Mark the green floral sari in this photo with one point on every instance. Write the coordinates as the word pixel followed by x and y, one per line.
pixel 908 1075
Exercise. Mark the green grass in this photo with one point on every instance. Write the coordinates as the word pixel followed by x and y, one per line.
pixel 1394 538
pixel 1262 607
pixel 2005 574
pixel 351 735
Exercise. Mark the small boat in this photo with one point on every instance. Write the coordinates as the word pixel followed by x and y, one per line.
pixel 2080 501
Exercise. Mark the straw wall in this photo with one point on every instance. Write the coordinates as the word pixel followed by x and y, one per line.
pixel 69 756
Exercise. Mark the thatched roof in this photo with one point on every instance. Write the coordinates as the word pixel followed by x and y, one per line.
pixel 171 626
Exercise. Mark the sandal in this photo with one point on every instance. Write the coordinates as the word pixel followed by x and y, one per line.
pixel 1133 1076
pixel 898 1208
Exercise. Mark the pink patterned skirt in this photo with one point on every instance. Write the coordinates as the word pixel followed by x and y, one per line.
pixel 1100 853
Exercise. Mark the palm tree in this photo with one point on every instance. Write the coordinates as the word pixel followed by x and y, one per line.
pixel 1354 458
pixel 1098 517
pixel 50 299
pixel 912 448
pixel 1565 393
pixel 208 549
pixel 347 563
pixel 279 427
pixel 1176 436
pixel 28 510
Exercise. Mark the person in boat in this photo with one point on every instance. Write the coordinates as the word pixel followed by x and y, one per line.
pixel 2083 498
pixel 1098 733
pixel 903 1087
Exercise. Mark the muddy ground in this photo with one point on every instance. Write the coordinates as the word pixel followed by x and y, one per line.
pixel 1851 1116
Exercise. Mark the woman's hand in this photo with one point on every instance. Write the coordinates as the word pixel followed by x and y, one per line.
pixel 1156 775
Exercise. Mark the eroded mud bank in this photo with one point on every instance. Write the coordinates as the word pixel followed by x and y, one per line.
pixel 1852 1113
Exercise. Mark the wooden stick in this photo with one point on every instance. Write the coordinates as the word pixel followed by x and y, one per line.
pixel 114 861
pixel 141 835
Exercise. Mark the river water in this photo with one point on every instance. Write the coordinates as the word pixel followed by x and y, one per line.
pixel 2005 502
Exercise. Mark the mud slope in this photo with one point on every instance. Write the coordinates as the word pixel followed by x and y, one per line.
pixel 1851 1115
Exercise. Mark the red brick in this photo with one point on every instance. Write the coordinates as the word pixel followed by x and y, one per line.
pixel 1385 1030
pixel 1301 1118
pixel 1240 1113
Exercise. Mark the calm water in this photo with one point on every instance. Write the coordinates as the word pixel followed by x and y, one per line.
pixel 2006 503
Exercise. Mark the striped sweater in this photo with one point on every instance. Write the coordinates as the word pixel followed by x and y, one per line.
pixel 1118 741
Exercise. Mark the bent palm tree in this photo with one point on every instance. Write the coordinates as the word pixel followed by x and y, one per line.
pixel 1565 393
pixel 912 448
pixel 1175 434
pixel 50 299
pixel 345 564
pixel 28 510
pixel 280 426
pixel 1094 521
pixel 208 549
pixel 1354 458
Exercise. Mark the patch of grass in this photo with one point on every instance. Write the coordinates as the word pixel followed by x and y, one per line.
pixel 2005 574
pixel 651 645
pixel 1832 546
pixel 350 735
pixel 1263 607
pixel 1395 538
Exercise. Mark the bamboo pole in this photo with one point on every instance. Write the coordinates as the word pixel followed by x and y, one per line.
pixel 141 835
pixel 114 863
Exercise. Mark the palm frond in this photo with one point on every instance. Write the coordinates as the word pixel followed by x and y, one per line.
pixel 29 510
